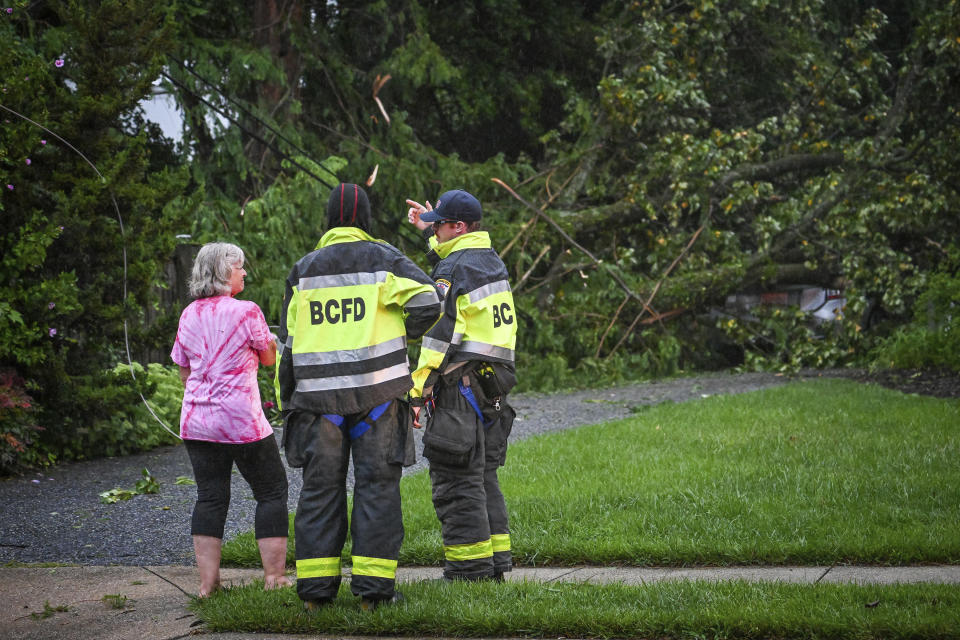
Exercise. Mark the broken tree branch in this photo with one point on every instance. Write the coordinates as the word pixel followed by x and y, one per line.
pixel 536 261
pixel 580 247
pixel 550 199
pixel 613 321
pixel 798 162
pixel 653 293
pixel 560 274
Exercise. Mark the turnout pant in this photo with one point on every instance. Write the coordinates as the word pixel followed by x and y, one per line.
pixel 466 489
pixel 322 449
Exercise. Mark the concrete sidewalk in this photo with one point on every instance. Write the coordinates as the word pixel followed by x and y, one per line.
pixel 114 603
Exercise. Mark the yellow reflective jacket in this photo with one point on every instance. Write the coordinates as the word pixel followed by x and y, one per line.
pixel 349 308
pixel 479 320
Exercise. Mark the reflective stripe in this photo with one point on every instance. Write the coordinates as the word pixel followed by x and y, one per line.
pixel 318 568
pixel 350 355
pixel 484 349
pixel 456 338
pixel 470 551
pixel 342 280
pixel 435 345
pixel 501 542
pixel 358 380
pixel 487 290
pixel 376 567
pixel 424 299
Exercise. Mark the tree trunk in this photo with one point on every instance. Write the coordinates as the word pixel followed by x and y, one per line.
pixel 274 21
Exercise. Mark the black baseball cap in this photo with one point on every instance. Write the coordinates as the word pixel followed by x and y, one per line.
pixel 455 205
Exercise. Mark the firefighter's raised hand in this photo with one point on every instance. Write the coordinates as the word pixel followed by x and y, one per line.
pixel 413 213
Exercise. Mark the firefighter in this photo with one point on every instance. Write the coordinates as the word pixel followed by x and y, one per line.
pixel 349 309
pixel 465 371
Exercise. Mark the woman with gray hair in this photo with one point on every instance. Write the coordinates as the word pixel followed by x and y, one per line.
pixel 220 343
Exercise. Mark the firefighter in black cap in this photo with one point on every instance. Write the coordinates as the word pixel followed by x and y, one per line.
pixel 465 371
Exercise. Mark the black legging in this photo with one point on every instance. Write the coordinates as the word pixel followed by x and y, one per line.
pixel 259 464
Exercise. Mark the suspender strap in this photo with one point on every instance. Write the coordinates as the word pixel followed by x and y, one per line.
pixel 361 427
pixel 467 393
pixel 335 419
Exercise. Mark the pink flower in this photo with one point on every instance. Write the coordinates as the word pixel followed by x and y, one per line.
pixel 52 332
pixel 268 405
pixel 58 63
pixel 51 305
pixel 29 162
pixel 10 187
pixel 9 9
pixel 43 142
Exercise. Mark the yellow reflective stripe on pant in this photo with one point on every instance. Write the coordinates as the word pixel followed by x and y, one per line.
pixel 376 567
pixel 470 551
pixel 500 541
pixel 318 568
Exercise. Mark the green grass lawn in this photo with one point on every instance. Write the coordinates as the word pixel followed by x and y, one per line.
pixel 809 473
pixel 813 472
pixel 663 610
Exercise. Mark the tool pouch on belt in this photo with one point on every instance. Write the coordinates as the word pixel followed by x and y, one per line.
pixel 451 433
pixel 404 450
pixel 489 382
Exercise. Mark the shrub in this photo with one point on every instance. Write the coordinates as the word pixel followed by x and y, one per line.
pixel 134 428
pixel 932 340
pixel 19 448
pixel 165 397
pixel 112 420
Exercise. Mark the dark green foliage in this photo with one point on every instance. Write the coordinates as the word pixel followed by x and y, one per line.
pixel 745 147
pixel 71 277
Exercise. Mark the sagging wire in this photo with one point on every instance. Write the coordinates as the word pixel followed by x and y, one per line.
pixel 247 112
pixel 123 237
pixel 253 135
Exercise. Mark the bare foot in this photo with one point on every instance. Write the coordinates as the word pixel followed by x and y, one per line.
pixel 206 593
pixel 276 583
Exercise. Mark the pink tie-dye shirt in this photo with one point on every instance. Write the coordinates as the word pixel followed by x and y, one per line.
pixel 218 339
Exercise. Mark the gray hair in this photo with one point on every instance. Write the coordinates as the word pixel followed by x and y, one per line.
pixel 212 269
